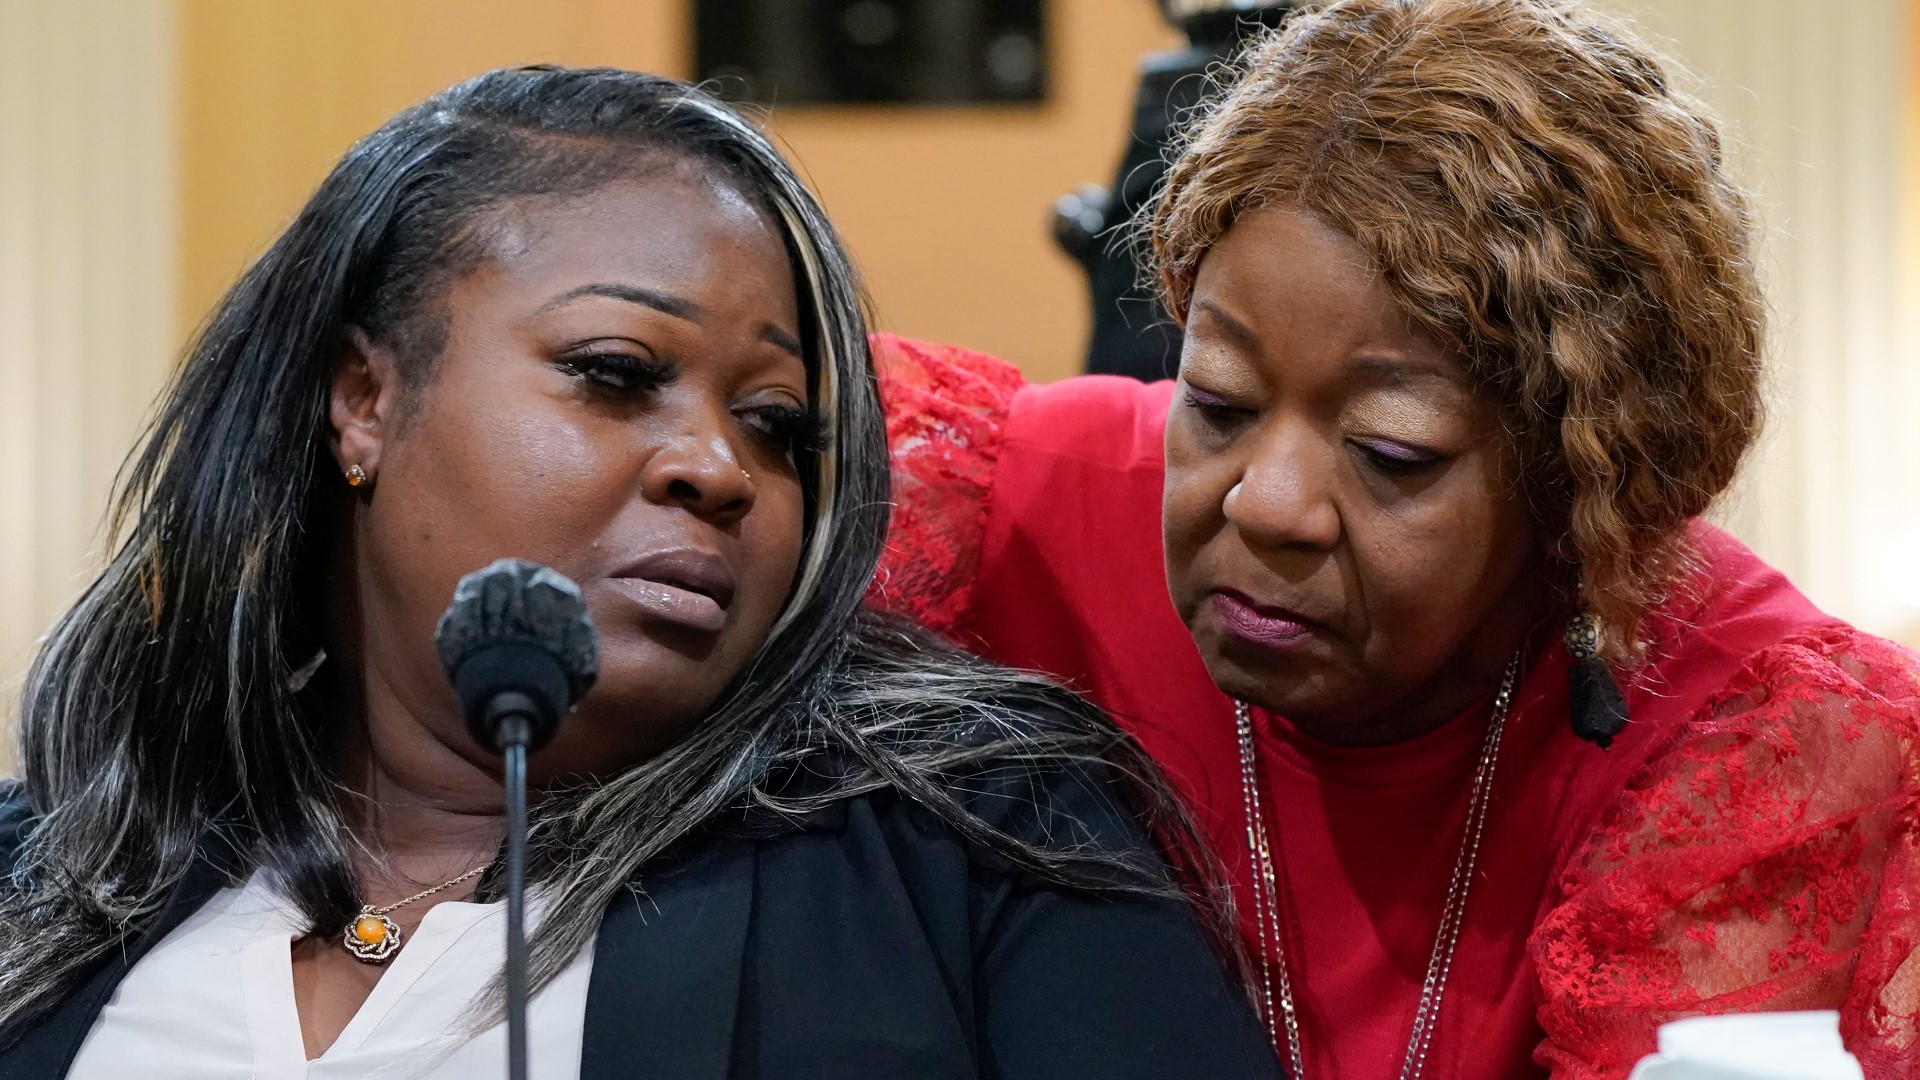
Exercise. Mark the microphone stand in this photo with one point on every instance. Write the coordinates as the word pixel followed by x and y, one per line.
pixel 510 714
pixel 520 652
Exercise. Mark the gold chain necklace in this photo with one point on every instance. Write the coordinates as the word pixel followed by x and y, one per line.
pixel 373 938
pixel 1281 1015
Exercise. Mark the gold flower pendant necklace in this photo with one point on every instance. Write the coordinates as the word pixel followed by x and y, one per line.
pixel 1278 1008
pixel 373 938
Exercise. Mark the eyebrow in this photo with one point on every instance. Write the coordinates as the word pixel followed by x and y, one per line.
pixel 632 294
pixel 1235 329
pixel 1373 369
pixel 779 338
pixel 1395 371
pixel 666 304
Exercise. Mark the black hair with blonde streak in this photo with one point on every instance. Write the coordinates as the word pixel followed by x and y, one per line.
pixel 163 706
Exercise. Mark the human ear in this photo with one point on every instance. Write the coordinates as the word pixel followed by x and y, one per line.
pixel 364 405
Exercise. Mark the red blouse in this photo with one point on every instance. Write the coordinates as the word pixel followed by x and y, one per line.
pixel 1752 841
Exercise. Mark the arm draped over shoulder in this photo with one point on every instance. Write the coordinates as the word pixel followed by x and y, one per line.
pixel 946 421
pixel 1769 859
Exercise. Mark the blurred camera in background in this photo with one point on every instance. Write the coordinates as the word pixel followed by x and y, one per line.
pixel 1131 336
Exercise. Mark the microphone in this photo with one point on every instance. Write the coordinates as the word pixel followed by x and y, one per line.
pixel 520 652
pixel 519 649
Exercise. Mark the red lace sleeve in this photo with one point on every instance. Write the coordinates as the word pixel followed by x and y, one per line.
pixel 1768 860
pixel 946 416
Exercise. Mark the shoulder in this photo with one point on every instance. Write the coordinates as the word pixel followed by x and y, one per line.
pixel 968 402
pixel 1041 777
pixel 1762 859
pixel 1757 677
pixel 946 416
pixel 943 402
pixel 1732 627
pixel 1826 718
pixel 998 484
pixel 1836 677
pixel 908 367
pixel 1763 709
pixel 1101 420
pixel 1085 455
pixel 1051 779
pixel 936 747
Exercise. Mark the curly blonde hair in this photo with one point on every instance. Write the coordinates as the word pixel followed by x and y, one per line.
pixel 1542 201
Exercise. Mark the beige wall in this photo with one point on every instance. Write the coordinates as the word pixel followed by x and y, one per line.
pixel 272 92
pixel 946 209
pixel 1818 109
pixel 86 302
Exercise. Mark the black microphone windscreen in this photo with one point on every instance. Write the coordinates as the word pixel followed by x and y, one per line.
pixel 528 611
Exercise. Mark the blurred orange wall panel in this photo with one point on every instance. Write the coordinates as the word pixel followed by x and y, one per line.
pixel 274 91
pixel 946 210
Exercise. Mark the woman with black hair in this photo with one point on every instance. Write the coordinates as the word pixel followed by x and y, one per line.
pixel 589 318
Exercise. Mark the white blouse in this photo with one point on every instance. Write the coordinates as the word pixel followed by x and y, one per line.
pixel 214 1000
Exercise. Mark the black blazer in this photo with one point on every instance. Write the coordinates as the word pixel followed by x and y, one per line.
pixel 867 941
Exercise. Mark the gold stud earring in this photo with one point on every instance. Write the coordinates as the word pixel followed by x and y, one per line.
pixel 356 476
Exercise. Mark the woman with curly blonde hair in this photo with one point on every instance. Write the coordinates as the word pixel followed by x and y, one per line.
pixel 1512 756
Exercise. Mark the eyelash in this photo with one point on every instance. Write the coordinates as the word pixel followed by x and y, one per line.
pixel 1391 464
pixel 618 372
pixel 1215 412
pixel 789 427
pixel 1221 416
pixel 793 429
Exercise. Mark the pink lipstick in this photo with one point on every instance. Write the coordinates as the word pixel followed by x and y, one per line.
pixel 684 586
pixel 1261 624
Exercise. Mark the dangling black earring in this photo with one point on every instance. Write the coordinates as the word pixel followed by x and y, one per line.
pixel 1599 710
